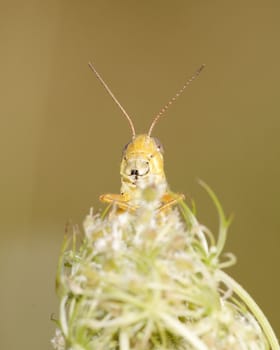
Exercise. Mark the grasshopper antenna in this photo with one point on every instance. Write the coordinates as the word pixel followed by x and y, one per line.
pixel 114 98
pixel 174 98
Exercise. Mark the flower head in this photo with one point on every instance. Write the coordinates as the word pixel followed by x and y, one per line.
pixel 151 281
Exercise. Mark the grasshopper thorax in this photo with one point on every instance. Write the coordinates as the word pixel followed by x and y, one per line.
pixel 142 163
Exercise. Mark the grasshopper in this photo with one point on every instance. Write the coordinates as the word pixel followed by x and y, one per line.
pixel 142 161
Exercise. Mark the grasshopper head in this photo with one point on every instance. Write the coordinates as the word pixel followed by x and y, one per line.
pixel 142 162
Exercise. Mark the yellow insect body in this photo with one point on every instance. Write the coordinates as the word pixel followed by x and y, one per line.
pixel 142 163
pixel 141 166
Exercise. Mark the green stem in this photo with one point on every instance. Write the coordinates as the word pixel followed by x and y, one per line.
pixel 252 305
pixel 175 326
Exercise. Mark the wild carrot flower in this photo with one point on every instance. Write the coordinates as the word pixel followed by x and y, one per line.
pixel 149 280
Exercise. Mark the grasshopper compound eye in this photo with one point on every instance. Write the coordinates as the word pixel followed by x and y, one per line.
pixel 124 150
pixel 159 145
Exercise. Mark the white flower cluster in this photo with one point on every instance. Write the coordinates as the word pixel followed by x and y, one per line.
pixel 151 280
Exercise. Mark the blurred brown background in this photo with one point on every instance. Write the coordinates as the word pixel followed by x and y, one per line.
pixel 62 136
